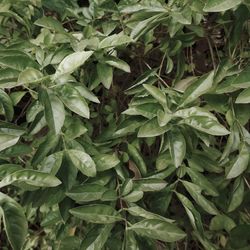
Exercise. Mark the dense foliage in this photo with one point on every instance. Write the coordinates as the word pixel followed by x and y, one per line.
pixel 124 124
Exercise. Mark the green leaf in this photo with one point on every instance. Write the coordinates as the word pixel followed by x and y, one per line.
pixel 96 213
pixel 14 220
pixel 18 62
pixel 220 5
pixel 114 41
pixel 156 93
pixel 202 181
pixel 130 241
pixel 193 214
pixel 220 222
pixel 71 62
pixel 7 141
pixel 244 96
pixel 149 185
pixel 198 88
pixel 195 192
pixel 54 111
pixel 105 74
pixel 117 63
pixel 206 124
pixel 52 163
pixel 7 104
pixel 86 93
pixel 240 164
pixel 50 23
pixel 137 158
pixel 157 229
pixel 82 161
pixel 86 192
pixel 73 100
pixel 106 161
pixel 29 75
pixel 30 177
pixel 134 196
pixel 140 212
pixel 177 146
pixel 7 169
pixel 96 237
pixel 237 194
pixel 152 129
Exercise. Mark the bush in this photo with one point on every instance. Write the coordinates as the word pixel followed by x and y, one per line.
pixel 124 124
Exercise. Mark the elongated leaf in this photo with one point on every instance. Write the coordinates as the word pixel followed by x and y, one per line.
pixel 140 212
pixel 18 62
pixel 7 104
pixel 7 141
pixel 82 161
pixel 97 213
pixel 130 241
pixel 156 93
pixel 220 222
pixel 137 158
pixel 31 177
pixel 244 96
pixel 149 185
pixel 71 62
pixel 106 161
pixel 117 63
pixel 237 194
pixel 202 181
pixel 86 192
pixel 44 148
pixel 54 111
pixel 86 93
pixel 152 129
pixel 240 164
pixel 29 75
pixel 50 23
pixel 7 169
pixel 206 125
pixel 177 145
pixel 114 41
pixel 52 163
pixel 14 220
pixel 195 192
pixel 105 74
pixel 134 196
pixel 198 88
pixel 220 5
pixel 193 214
pixel 96 238
pixel 73 100
pixel 157 229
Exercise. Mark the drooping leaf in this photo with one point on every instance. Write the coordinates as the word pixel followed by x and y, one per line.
pixel 14 220
pixel 54 111
pixel 71 62
pixel 240 164
pixel 177 145
pixel 152 129
pixel 157 229
pixel 220 5
pixel 30 177
pixel 195 192
pixel 7 104
pixel 97 213
pixel 96 238
pixel 206 124
pixel 82 161
pixel 73 100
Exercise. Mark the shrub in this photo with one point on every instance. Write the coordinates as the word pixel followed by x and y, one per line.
pixel 124 124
